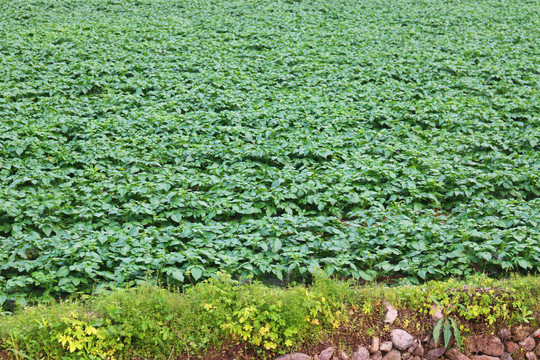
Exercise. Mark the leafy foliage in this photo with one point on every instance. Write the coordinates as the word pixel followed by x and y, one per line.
pixel 176 138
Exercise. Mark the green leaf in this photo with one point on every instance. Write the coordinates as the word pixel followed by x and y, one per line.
pixel 436 302
pixel 64 281
pixel 178 275
pixel 524 263
pixel 277 246
pixel 62 272
pixel 196 272
pixel 176 216
pixel 437 331
pixel 486 256
pixel 447 334
pixel 47 230
pixel 365 275
pixel 457 334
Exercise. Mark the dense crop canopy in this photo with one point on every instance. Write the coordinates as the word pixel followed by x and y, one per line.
pixel 173 138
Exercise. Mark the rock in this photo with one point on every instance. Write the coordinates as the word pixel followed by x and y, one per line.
pixel 392 355
pixel 521 333
pixel 419 351
pixel 361 354
pixel 391 313
pixel 377 356
pixel 506 356
pixel 436 353
pixel 505 334
pixel 326 354
pixel 511 347
pixel 528 343
pixel 401 339
pixel 454 354
pixel 386 346
pixel 436 313
pixel 537 351
pixel 295 356
pixel 374 345
pixel 536 334
pixel 344 356
pixel 413 347
pixel 406 356
pixel 530 356
pixel 416 358
pixel 484 357
pixel 488 345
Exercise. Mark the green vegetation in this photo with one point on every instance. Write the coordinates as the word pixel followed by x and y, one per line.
pixel 172 139
pixel 151 322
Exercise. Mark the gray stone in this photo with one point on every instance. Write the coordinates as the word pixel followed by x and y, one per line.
pixel 436 313
pixel 488 345
pixel 377 356
pixel 386 346
pixel 391 313
pixel 344 356
pixel 406 356
pixel 505 334
pixel 401 339
pixel 530 356
pixel 521 333
pixel 506 356
pixel 528 343
pixel 419 351
pixel 361 354
pixel 537 351
pixel 454 354
pixel 413 347
pixel 511 347
pixel 392 355
pixel 326 354
pixel 436 353
pixel 484 357
pixel 536 334
pixel 374 345
pixel 295 356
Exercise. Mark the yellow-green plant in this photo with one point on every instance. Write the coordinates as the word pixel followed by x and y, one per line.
pixel 87 341
pixel 263 327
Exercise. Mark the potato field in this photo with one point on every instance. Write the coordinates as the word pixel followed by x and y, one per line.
pixel 172 139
